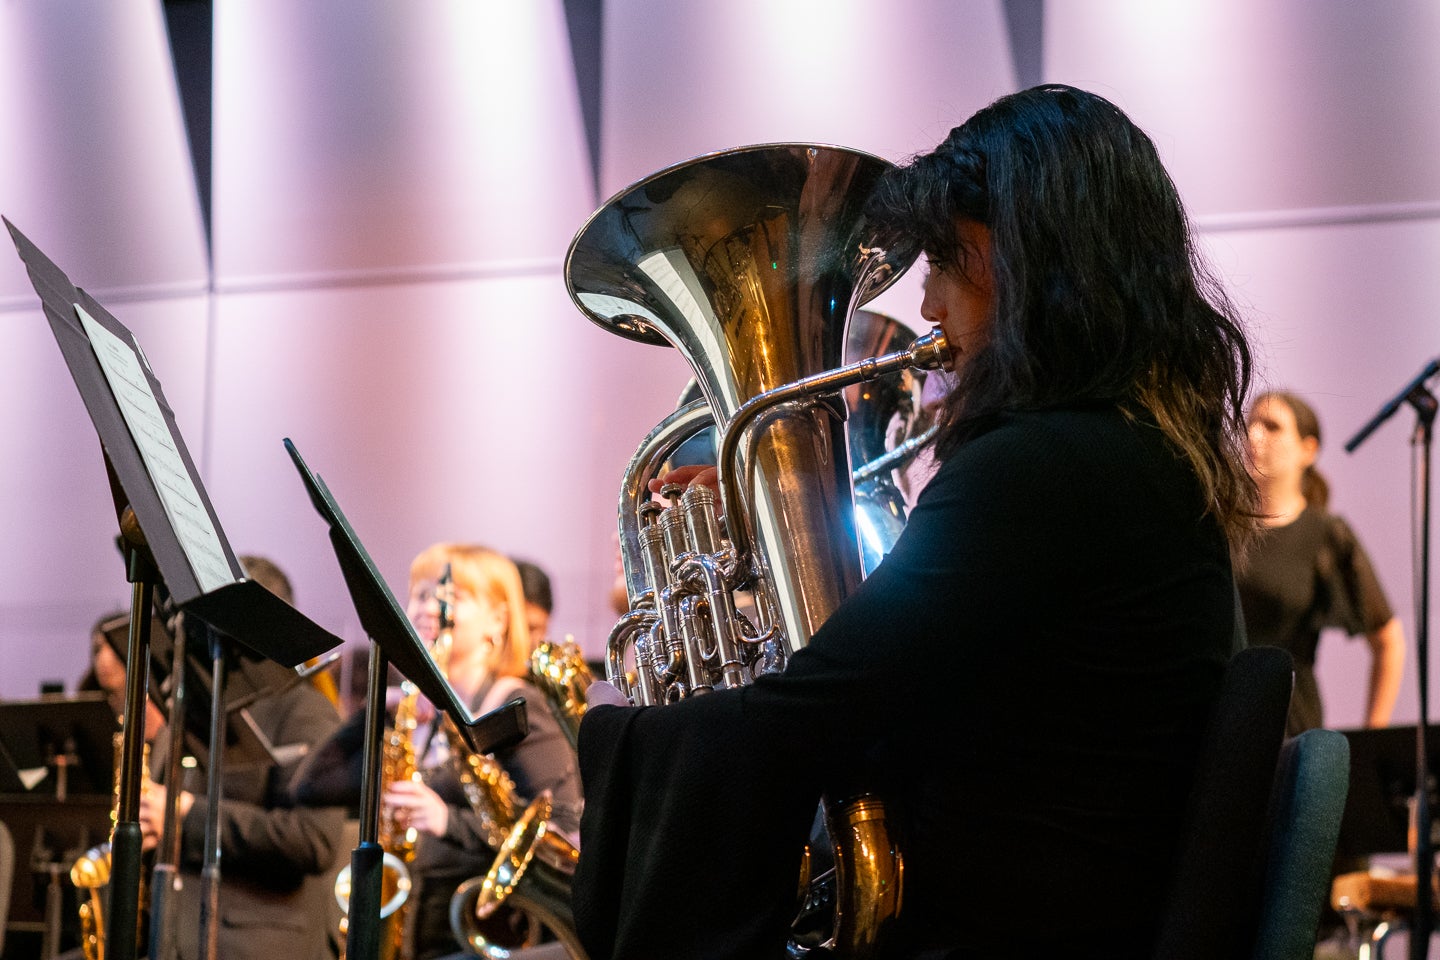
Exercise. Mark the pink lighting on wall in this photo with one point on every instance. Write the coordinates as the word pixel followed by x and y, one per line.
pixel 357 142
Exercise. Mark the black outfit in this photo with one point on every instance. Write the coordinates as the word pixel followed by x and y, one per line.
pixel 1299 579
pixel 1029 671
pixel 276 858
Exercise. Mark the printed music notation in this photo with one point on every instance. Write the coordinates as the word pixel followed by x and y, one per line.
pixel 176 487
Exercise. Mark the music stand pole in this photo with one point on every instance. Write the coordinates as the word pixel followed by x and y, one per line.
pixel 210 870
pixel 1425 406
pixel 1417 395
pixel 362 935
pixel 165 881
pixel 125 843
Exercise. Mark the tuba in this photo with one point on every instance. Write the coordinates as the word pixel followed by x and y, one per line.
pixel 751 263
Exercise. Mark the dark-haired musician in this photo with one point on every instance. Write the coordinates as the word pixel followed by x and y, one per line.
pixel 1031 667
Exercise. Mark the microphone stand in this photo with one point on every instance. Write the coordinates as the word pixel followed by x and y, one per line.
pixel 1418 396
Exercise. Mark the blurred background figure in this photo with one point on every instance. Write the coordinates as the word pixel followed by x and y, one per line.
pixel 107 671
pixel 277 858
pixel 487 664
pixel 1307 570
pixel 539 601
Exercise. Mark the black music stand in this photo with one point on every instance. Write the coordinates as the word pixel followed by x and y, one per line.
pixel 1382 788
pixel 57 746
pixel 245 744
pixel 170 534
pixel 54 748
pixel 392 640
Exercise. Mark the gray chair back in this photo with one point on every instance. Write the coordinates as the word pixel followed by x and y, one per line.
pixel 1306 808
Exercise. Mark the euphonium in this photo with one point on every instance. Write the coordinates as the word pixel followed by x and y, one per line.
pixel 750 262
pixel 91 870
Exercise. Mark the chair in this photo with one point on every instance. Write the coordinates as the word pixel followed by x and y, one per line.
pixel 1305 812
pixel 1212 909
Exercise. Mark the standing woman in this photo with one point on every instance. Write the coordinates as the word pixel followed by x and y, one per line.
pixel 1307 571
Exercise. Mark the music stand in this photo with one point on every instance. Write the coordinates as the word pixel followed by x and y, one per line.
pixel 170 533
pixel 245 744
pixel 56 746
pixel 1382 785
pixel 392 639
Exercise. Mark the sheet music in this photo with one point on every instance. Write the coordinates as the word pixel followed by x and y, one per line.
pixel 177 490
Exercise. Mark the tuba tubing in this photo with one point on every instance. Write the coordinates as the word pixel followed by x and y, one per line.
pixel 929 352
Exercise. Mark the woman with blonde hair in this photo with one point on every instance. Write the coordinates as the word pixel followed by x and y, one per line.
pixel 487 666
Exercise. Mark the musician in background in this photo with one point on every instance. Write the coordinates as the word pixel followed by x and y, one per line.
pixel 539 601
pixel 1307 570
pixel 487 666
pixel 1028 674
pixel 107 674
pixel 276 858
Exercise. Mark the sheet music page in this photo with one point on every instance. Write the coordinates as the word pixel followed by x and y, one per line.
pixel 173 482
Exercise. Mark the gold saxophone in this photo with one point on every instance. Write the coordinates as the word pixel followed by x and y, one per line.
pixel 530 881
pixel 751 262
pixel 91 870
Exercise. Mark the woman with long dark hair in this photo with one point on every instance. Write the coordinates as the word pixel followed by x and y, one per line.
pixel 1028 672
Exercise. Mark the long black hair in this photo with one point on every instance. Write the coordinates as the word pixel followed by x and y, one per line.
pixel 1100 294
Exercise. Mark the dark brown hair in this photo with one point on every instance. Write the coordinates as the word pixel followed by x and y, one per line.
pixel 1100 294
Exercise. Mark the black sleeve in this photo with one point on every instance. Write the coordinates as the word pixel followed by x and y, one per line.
pixel 733 777
pixel 1057 610
pixel 1357 601
pixel 332 773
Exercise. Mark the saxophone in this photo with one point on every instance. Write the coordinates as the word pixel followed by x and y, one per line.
pixel 91 870
pixel 498 913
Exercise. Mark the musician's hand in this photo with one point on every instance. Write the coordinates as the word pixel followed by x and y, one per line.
pixel 152 813
pixel 416 805
pixel 603 692
pixel 686 475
